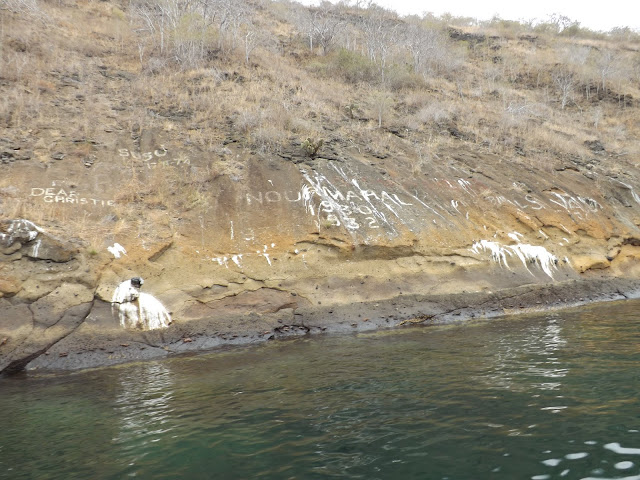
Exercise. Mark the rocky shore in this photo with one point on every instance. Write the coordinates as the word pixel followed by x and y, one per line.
pixel 73 326
pixel 277 193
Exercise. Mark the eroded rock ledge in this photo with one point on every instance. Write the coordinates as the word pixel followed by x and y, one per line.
pixel 301 248
pixel 58 315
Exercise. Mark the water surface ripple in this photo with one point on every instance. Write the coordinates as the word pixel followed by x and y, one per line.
pixel 533 397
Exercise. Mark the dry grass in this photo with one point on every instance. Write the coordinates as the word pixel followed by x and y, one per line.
pixel 94 61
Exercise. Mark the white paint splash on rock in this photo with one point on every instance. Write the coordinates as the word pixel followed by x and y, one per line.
pixel 137 309
pixel 528 255
pixel 117 250
pixel 19 230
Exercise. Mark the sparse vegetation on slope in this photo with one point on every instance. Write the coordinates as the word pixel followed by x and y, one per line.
pixel 264 77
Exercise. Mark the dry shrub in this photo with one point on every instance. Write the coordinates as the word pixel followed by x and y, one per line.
pixel 436 112
pixel 561 140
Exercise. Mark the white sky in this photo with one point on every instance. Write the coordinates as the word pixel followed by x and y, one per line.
pixel 592 14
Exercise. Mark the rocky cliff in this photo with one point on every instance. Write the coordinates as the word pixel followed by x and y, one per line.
pixel 242 243
pixel 288 248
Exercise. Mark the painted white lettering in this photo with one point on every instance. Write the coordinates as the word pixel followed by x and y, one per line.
pixel 258 198
pixel 562 203
pixel 400 201
pixel 351 195
pixel 326 206
pixel 36 192
pixel 372 222
pixel 384 195
pixel 335 195
pixel 369 193
pixel 296 200
pixel 350 223
pixel 333 220
pixel 272 196
pixel 163 149
pixel 531 199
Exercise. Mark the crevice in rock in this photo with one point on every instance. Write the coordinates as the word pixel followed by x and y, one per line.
pixel 19 364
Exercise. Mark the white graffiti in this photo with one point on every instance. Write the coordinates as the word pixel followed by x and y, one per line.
pixel 528 255
pixel 570 203
pixel 23 230
pixel 635 196
pixel 236 258
pixel 116 250
pixel 61 196
pixel 137 309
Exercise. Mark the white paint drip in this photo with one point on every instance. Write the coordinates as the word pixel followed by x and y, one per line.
pixel 498 253
pixel 466 186
pixel 635 196
pixel 138 309
pixel 116 250
pixel 236 258
pixel 307 196
pixel 515 236
pixel 221 261
pixel 20 227
pixel 528 254
pixel 36 248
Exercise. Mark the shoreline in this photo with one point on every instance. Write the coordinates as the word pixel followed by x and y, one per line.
pixel 88 350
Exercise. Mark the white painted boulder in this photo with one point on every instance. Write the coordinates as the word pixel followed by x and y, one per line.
pixel 136 309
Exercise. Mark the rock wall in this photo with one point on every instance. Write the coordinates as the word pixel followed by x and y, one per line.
pixel 242 248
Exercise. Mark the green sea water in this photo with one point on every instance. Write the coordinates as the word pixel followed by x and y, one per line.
pixel 532 397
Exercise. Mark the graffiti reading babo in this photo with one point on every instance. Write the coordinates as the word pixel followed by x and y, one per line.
pixel 155 158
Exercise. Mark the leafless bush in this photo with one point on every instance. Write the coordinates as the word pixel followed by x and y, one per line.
pixel 565 83
pixel 188 32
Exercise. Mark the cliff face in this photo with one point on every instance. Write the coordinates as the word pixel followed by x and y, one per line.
pixel 288 247
pixel 467 189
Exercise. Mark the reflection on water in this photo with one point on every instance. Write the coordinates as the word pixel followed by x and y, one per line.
pixel 539 397
pixel 143 406
pixel 530 352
